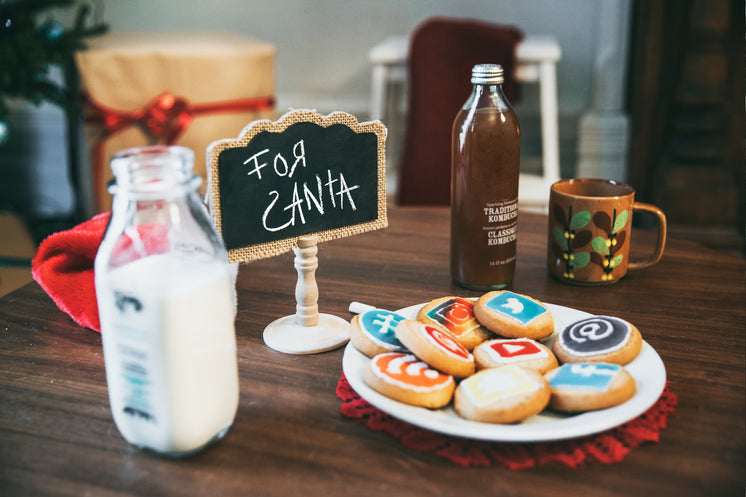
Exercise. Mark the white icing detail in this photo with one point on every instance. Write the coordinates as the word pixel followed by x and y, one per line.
pixel 373 338
pixel 512 348
pixel 481 388
pixel 417 369
pixel 395 367
pixel 444 348
pixel 495 357
pixel 592 331
pixel 628 336
pixel 588 370
pixel 514 305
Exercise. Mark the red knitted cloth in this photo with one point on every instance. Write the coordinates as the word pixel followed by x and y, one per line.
pixel 606 447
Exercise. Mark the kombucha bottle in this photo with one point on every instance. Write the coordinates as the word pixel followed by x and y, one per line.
pixel 485 159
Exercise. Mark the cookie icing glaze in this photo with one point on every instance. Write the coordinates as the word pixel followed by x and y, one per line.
pixel 406 371
pixel 456 315
pixel 445 343
pixel 518 307
pixel 595 376
pixel 379 326
pixel 595 336
pixel 510 351
pixel 495 384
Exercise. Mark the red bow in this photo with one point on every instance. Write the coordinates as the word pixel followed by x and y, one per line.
pixel 164 119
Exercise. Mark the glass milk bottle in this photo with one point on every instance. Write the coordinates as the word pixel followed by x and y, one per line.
pixel 486 143
pixel 166 302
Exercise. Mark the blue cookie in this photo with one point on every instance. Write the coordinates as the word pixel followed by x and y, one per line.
pixel 587 386
pixel 513 315
pixel 372 332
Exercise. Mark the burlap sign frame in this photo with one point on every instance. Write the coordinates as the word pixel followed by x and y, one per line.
pixel 280 246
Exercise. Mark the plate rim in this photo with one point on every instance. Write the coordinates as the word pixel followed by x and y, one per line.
pixel 447 422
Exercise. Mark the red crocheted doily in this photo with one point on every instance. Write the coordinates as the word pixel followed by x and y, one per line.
pixel 606 447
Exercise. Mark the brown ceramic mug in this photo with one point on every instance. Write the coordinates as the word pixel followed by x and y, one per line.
pixel 590 222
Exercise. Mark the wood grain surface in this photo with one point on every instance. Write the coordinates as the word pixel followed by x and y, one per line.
pixel 57 436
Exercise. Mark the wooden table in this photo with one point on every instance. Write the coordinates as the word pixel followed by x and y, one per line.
pixel 57 436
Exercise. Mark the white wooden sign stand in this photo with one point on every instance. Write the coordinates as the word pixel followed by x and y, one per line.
pixel 307 331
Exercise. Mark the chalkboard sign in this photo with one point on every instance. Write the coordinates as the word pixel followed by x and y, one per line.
pixel 301 175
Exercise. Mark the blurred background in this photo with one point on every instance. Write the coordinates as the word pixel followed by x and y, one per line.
pixel 651 93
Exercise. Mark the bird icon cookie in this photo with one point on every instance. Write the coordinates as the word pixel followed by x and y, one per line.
pixel 513 315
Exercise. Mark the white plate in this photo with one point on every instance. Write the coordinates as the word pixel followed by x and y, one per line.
pixel 647 370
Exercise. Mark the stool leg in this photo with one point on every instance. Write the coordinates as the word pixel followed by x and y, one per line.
pixel 378 91
pixel 549 122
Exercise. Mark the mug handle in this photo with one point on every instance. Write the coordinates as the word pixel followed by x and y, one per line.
pixel 642 207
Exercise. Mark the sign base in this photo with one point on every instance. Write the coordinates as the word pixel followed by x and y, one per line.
pixel 288 336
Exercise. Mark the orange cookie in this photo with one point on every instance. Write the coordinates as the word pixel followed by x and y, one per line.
pixel 523 352
pixel 436 346
pixel 598 339
pixel 589 386
pixel 513 315
pixel 405 378
pixel 455 314
pixel 501 395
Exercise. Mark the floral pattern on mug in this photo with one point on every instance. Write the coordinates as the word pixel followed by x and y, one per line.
pixel 568 237
pixel 606 248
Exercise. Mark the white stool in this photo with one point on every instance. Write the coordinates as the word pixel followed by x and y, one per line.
pixel 537 58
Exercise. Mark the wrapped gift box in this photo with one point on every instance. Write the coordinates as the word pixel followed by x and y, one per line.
pixel 188 89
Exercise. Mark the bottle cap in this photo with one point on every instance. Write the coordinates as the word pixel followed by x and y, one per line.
pixel 487 74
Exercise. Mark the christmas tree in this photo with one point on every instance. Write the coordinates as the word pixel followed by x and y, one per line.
pixel 29 43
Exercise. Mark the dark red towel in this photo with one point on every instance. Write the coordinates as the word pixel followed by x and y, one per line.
pixel 442 53
pixel 63 266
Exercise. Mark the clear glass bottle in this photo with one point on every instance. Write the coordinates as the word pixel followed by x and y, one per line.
pixel 166 300
pixel 486 143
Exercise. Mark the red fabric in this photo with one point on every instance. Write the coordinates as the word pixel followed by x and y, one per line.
pixel 63 266
pixel 165 118
pixel 607 447
pixel 442 53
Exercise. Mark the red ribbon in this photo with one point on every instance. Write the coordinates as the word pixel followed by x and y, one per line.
pixel 164 119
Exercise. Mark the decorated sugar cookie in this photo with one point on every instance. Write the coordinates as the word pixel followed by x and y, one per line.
pixel 372 332
pixel 523 352
pixel 436 346
pixel 455 314
pixel 598 339
pixel 513 315
pixel 405 378
pixel 501 395
pixel 589 386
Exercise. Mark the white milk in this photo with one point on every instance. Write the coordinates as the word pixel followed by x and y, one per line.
pixel 170 351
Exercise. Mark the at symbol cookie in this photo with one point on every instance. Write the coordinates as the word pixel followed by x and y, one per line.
pixel 598 339
pixel 523 352
pixel 513 315
pixel 437 347
pixel 501 395
pixel 372 332
pixel 589 386
pixel 455 314
pixel 405 378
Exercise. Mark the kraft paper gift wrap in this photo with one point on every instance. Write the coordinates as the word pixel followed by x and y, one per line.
pixel 185 88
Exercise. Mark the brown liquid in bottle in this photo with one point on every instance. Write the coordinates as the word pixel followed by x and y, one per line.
pixel 484 191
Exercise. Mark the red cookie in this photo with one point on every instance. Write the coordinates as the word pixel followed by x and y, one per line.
pixel 523 352
pixel 436 346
